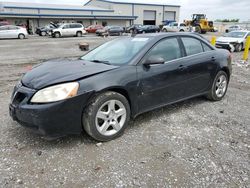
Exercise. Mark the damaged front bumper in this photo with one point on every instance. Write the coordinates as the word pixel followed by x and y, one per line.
pixel 229 46
pixel 50 120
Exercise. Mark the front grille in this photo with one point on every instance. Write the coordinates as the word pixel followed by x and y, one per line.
pixel 21 94
pixel 18 98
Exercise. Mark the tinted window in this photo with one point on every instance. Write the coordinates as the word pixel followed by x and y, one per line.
pixel 3 28
pixel 206 47
pixel 182 25
pixel 168 49
pixel 65 26
pixel 13 28
pixel 175 24
pixel 75 26
pixel 192 45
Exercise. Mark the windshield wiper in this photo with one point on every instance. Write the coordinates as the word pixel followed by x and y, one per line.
pixel 100 61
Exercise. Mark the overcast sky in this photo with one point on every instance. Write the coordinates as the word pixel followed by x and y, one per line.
pixel 214 9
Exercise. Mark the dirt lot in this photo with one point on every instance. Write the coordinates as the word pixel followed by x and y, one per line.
pixel 196 143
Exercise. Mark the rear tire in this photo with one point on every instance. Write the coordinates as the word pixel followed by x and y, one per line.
pixel 79 34
pixel 165 30
pixel 108 125
pixel 21 36
pixel 219 87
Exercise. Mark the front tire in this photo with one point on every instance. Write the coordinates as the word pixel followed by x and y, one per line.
pixel 57 35
pixel 219 88
pixel 238 47
pixel 198 29
pixel 43 33
pixel 107 116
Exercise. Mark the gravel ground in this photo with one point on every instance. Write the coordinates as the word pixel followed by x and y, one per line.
pixel 196 143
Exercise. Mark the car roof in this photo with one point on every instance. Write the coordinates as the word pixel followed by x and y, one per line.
pixel 242 30
pixel 10 26
pixel 159 35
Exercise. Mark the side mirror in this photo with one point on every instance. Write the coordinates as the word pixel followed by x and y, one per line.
pixel 154 61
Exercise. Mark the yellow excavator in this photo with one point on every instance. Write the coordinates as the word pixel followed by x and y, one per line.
pixel 200 23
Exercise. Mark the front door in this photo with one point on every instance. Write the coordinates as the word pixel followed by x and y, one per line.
pixel 164 83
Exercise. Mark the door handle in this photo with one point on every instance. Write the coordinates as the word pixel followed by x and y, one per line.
pixel 213 58
pixel 182 67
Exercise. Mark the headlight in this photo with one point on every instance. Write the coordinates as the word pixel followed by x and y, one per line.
pixel 56 93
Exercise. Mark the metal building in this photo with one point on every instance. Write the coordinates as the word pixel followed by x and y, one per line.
pixel 104 12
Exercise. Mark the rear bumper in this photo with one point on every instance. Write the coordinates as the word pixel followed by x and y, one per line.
pixel 51 120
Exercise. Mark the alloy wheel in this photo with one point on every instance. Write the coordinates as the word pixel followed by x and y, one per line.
pixel 221 86
pixel 110 117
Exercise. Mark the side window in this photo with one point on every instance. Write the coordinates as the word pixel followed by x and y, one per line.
pixel 73 26
pixel 13 28
pixel 182 25
pixel 66 27
pixel 3 28
pixel 206 47
pixel 175 24
pixel 192 45
pixel 168 49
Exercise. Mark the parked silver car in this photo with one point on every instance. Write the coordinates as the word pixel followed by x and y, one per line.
pixel 69 29
pixel 175 27
pixel 234 28
pixel 233 41
pixel 12 31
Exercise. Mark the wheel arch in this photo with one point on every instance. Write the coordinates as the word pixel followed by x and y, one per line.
pixel 226 70
pixel 121 91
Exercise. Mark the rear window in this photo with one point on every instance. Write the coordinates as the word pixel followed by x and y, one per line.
pixel 75 26
pixel 192 46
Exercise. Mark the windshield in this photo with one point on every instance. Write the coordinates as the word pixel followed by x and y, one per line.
pixel 116 52
pixel 236 34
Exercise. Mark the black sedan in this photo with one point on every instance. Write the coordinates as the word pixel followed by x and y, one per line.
pixel 120 79
pixel 134 28
pixel 110 30
pixel 148 29
pixel 46 30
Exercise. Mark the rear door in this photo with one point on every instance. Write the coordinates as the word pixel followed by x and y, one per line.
pixel 4 32
pixel 175 27
pixel 73 28
pixel 65 30
pixel 200 62
pixel 13 31
pixel 164 83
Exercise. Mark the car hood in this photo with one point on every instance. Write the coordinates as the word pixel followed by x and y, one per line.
pixel 59 71
pixel 229 39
